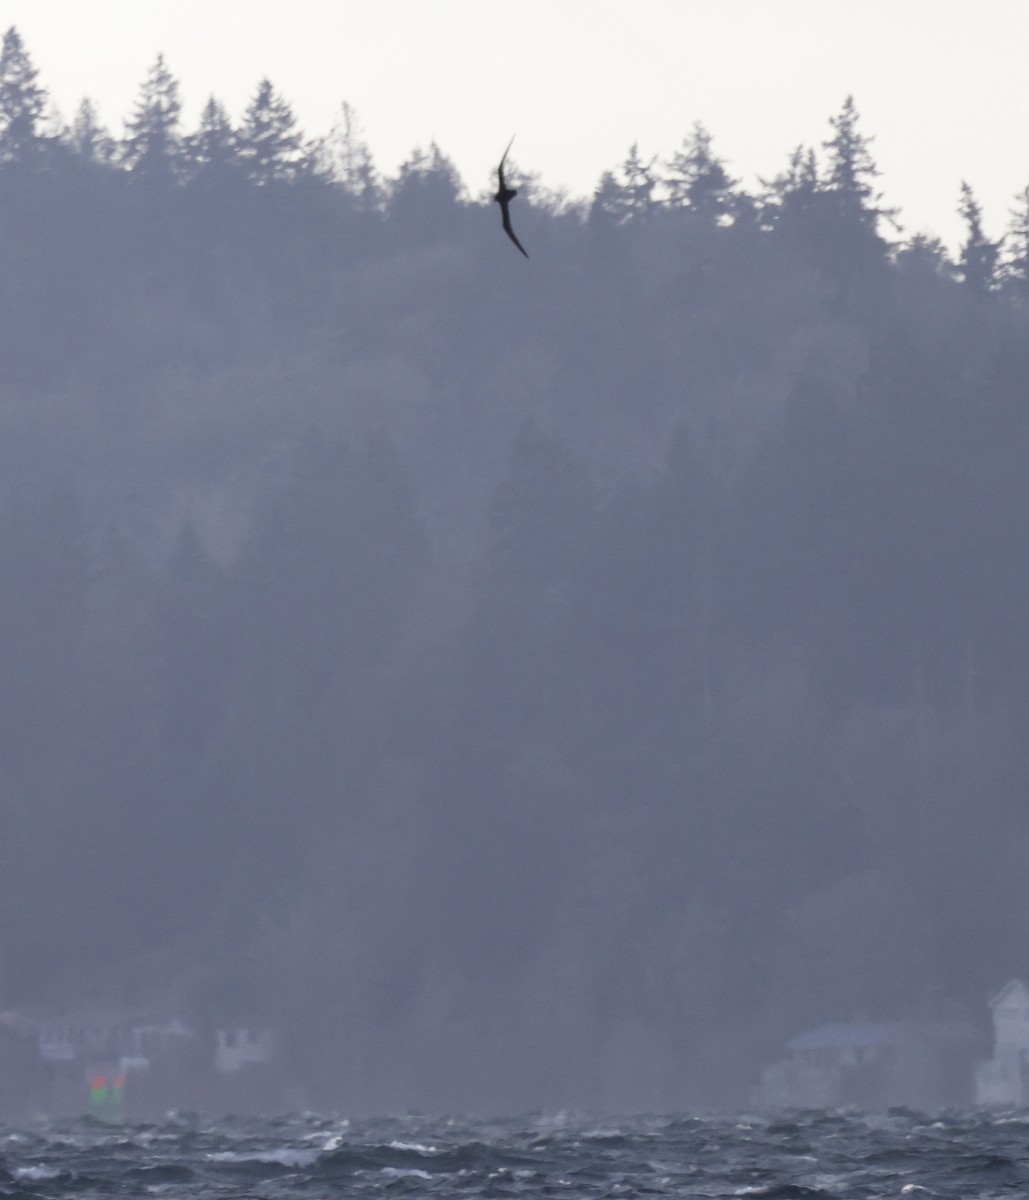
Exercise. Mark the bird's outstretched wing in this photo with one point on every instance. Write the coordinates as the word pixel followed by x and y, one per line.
pixel 510 232
pixel 500 169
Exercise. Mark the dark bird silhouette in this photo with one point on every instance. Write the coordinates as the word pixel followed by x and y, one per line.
pixel 504 197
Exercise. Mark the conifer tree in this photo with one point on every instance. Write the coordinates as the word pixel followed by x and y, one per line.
pixel 807 196
pixel 423 198
pixel 925 256
pixel 87 136
pixel 269 140
pixel 833 212
pixel 425 165
pixel 1016 264
pixel 629 196
pixel 851 169
pixel 152 143
pixel 698 178
pixel 213 150
pixel 22 101
pixel 347 159
pixel 793 192
pixel 978 261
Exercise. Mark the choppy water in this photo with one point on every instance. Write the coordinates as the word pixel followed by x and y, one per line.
pixel 807 1155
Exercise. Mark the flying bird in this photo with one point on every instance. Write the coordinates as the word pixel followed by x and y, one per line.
pixel 504 197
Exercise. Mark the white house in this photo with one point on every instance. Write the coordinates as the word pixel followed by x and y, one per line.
pixel 1003 1080
pixel 923 1064
pixel 91 1036
pixel 240 1047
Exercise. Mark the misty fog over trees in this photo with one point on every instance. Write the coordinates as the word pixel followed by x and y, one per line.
pixel 525 683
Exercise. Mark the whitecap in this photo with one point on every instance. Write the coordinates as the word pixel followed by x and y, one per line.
pixel 36 1173
pixel 286 1156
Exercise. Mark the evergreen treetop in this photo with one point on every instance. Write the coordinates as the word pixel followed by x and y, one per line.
pixel 1016 245
pixel 851 169
pixel 698 179
pixel 270 143
pixel 347 159
pixel 152 143
pixel 629 195
pixel 22 100
pixel 979 255
pixel 213 150
pixel 88 137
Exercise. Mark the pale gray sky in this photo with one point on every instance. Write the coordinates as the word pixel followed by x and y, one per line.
pixel 940 83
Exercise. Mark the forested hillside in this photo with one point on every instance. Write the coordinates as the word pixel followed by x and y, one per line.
pixel 526 683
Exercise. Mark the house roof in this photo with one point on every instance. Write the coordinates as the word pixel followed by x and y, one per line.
pixel 40 1020
pixel 1013 988
pixel 886 1033
pixel 847 1037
